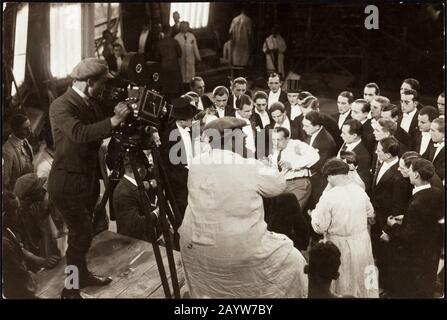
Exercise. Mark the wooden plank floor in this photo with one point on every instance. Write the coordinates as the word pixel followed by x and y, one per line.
pixel 130 262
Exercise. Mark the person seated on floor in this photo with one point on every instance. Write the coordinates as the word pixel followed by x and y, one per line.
pixel 128 203
pixel 18 281
pixel 324 263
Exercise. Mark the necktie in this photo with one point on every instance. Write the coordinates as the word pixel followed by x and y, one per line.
pixel 344 147
pixel 184 36
pixel 278 160
pixel 28 151
pixel 378 167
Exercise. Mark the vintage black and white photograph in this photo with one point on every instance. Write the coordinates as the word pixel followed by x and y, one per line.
pixel 229 150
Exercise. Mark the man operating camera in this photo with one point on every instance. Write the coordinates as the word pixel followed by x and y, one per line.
pixel 78 128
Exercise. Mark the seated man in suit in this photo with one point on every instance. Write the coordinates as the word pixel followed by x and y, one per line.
pixel 388 194
pixel 352 137
pixel 260 99
pixel 220 97
pixel 422 140
pixel 297 157
pixel 293 108
pixel 238 88
pixel 198 86
pixel 17 151
pixel 409 102
pixel 436 152
pixel 344 102
pixel 128 202
pixel 360 110
pixel 393 112
pixel 417 238
pixel 275 93
pixel 370 91
pixel 320 139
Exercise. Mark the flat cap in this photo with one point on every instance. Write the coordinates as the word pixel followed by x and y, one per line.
pixel 183 109
pixel 28 183
pixel 225 123
pixel 90 68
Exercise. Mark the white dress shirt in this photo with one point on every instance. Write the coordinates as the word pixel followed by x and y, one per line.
pixel 295 111
pixel 438 147
pixel 406 120
pixel 264 117
pixel 285 124
pixel 349 146
pixel 250 140
pixel 200 105
pixel 424 142
pixel 142 42
pixel 187 142
pixel 312 137
pixel 384 168
pixel 273 97
pixel 420 188
pixel 301 157
pixel 342 118
pixel 220 112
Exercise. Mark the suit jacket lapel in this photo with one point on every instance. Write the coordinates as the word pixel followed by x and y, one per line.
pixel 388 174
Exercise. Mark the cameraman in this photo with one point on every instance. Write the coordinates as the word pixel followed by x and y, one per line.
pixel 78 128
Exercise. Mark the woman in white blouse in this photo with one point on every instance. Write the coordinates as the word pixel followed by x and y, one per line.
pixel 341 215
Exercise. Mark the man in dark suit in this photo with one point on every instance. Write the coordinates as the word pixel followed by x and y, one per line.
pixel 73 185
pixel 128 204
pixel 176 26
pixel 351 134
pixel 409 121
pixel 260 99
pixel 384 129
pixel 245 112
pixel 293 108
pixel 280 119
pixel 176 150
pixel 417 239
pixel 389 196
pixel 393 112
pixel 344 101
pixel 223 108
pixel 238 88
pixel 320 139
pixel 436 151
pixel 422 141
pixel 198 86
pixel 275 94
pixel 360 109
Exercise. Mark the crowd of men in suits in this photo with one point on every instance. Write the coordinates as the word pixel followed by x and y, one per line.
pixel 382 139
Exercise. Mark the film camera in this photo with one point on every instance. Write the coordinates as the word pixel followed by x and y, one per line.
pixel 138 86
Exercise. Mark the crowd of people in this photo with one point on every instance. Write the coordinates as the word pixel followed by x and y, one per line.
pixel 360 192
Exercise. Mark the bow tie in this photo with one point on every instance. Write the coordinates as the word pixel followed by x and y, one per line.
pixel 437 145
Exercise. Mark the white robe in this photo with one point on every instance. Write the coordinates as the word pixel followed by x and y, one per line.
pixel 272 43
pixel 241 31
pixel 190 52
pixel 226 249
pixel 341 215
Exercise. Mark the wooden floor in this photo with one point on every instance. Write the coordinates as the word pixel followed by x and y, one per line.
pixel 130 262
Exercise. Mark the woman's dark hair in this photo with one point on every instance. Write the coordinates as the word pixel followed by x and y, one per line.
pixel 350 157
pixel 324 260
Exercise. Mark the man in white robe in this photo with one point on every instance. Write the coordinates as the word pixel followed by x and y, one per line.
pixel 274 48
pixel 190 53
pixel 241 36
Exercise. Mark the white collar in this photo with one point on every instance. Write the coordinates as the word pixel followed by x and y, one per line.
pixel 82 94
pixel 439 144
pixel 277 93
pixel 410 114
pixel 181 128
pixel 352 145
pixel 344 115
pixel 263 114
pixel 420 188
pixel 388 165
pixel 363 121
pixel 134 182
pixel 425 134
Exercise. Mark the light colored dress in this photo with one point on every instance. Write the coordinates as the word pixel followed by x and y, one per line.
pixel 341 215
pixel 226 249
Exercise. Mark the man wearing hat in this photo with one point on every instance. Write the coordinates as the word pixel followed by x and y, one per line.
pixel 177 151
pixel 78 128
pixel 293 109
pixel 226 248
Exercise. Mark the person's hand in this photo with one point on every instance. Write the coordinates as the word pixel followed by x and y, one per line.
pixel 121 113
pixel 285 165
pixel 385 237
pixel 48 263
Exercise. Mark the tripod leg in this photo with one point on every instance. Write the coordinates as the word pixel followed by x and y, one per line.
pixel 151 229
